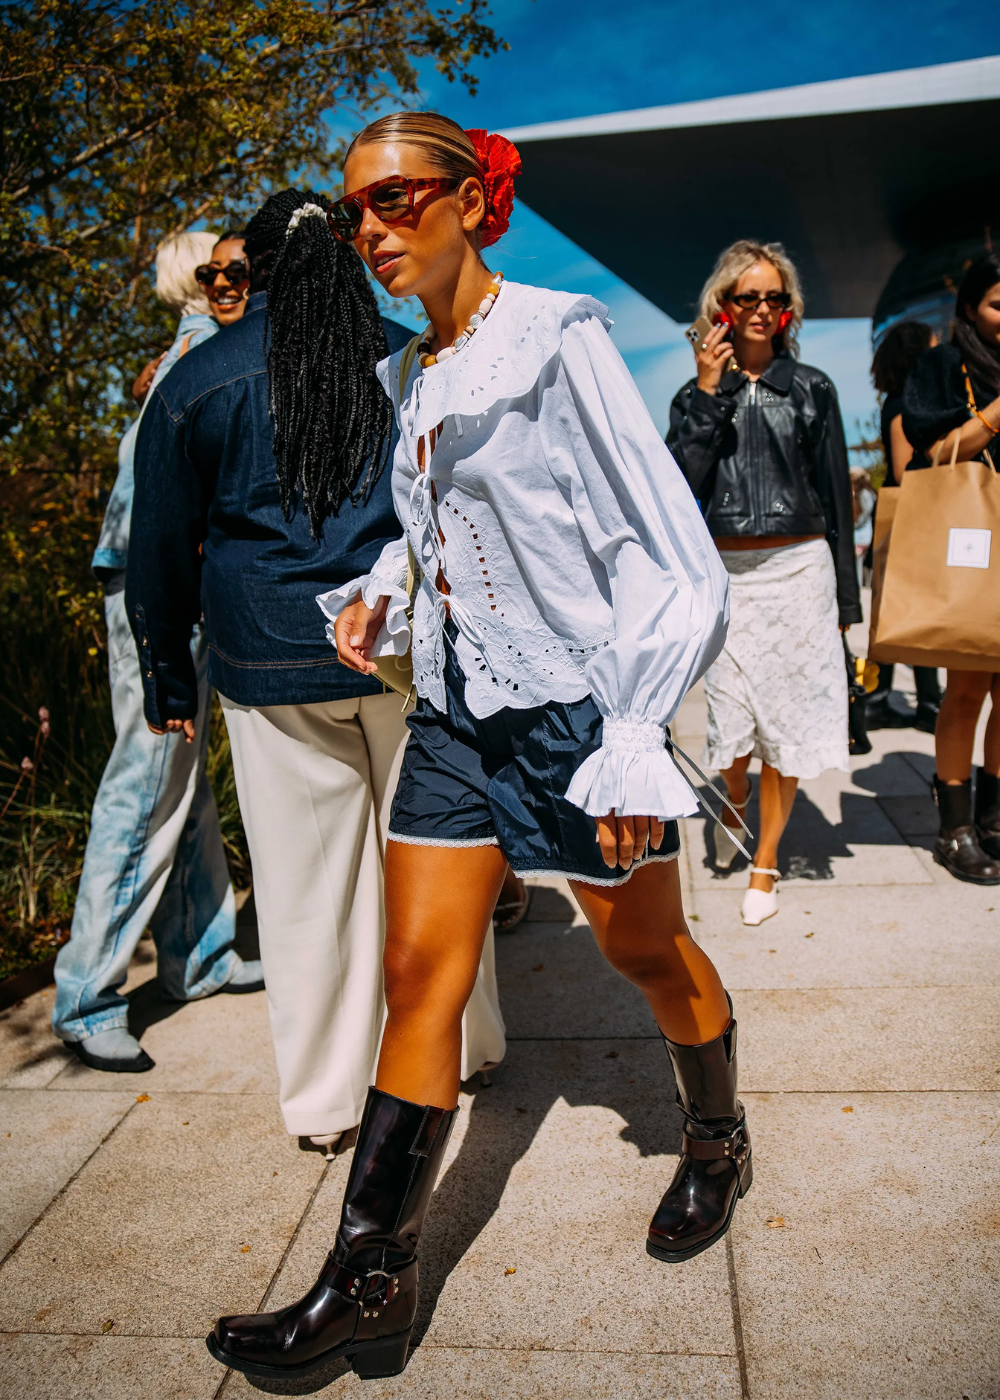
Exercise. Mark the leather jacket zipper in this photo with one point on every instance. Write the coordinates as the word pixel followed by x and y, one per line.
pixel 755 483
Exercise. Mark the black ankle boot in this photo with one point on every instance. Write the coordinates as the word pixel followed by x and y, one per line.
pixel 363 1304
pixel 887 710
pixel 988 812
pixel 957 847
pixel 716 1165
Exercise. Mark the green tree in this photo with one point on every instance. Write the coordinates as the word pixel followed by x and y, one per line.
pixel 121 122
pixel 124 122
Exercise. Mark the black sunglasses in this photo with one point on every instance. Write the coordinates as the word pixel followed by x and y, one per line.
pixel 236 274
pixel 748 301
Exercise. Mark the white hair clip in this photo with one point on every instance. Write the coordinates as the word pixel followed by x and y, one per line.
pixel 307 211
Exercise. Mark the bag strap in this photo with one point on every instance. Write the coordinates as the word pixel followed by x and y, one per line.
pixel 412 567
pixel 954 452
pixel 406 361
pixel 974 410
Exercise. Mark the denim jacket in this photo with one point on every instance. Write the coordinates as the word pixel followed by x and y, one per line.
pixel 209 537
pixel 111 554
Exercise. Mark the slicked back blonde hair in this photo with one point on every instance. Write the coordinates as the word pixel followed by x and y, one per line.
pixel 740 257
pixel 442 141
pixel 175 264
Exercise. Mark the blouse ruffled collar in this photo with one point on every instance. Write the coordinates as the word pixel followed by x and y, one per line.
pixel 503 360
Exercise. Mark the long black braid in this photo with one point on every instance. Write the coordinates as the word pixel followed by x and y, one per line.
pixel 324 338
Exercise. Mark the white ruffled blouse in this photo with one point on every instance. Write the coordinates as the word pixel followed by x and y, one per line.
pixel 577 559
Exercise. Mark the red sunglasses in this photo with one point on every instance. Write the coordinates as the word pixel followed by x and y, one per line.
pixel 389 200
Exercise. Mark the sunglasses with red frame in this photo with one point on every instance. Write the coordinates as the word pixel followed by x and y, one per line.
pixel 390 200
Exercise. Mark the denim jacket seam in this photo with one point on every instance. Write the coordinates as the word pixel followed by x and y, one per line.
pixel 272 665
pixel 180 415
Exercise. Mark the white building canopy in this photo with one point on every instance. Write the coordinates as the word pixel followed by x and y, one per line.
pixel 850 175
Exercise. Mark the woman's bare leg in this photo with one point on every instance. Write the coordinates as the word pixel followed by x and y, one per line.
pixel 737 788
pixel 777 794
pixel 438 904
pixel 955 732
pixel 641 930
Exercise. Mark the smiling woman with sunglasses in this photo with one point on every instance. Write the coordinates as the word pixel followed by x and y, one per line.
pixel 226 278
pixel 569 597
pixel 760 440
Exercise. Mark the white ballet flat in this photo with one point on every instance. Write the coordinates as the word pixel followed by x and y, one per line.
pixel 725 847
pixel 759 905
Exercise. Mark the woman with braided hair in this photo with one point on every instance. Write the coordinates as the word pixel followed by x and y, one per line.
pixel 259 482
pixel 570 595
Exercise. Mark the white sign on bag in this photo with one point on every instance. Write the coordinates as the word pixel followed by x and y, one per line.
pixel 969 549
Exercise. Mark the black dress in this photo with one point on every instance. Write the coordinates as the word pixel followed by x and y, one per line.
pixel 891 409
pixel 936 401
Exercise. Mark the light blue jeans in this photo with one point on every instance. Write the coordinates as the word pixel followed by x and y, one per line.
pixel 155 856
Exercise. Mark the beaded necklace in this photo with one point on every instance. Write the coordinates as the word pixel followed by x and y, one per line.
pixel 424 355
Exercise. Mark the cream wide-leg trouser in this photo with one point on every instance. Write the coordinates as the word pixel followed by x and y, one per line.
pixel 315 785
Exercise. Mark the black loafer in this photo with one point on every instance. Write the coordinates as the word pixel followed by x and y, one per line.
pixel 139 1064
pixel 239 991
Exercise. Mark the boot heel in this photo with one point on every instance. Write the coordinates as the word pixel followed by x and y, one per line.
pixel 746 1180
pixel 386 1357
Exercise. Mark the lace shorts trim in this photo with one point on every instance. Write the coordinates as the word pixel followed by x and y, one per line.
pixel 440 840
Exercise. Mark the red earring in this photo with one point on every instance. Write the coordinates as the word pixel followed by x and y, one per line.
pixel 722 319
pixel 784 321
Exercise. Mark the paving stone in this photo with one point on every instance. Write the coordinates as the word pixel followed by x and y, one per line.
pixel 830 936
pixel 553 1172
pixel 106 1368
pixel 30 1055
pixel 884 1280
pixel 190 1203
pixel 44 1139
pixel 219 1045
pixel 554 983
pixel 914 1038
pixel 472 1373
pixel 856 845
pixel 912 816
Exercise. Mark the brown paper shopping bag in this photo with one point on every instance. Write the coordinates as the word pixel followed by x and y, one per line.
pixel 885 514
pixel 940 596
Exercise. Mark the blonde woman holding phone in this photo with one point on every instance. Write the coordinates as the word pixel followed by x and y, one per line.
pixel 760 440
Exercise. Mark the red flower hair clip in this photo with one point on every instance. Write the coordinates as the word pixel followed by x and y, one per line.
pixel 500 162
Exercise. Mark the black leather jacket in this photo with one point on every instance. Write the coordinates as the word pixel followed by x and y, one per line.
pixel 770 459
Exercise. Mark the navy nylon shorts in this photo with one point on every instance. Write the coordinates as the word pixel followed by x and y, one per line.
pixel 499 781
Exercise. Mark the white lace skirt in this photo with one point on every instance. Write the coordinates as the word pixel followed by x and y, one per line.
pixel 779 688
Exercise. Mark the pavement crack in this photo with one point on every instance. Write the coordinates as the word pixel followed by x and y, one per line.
pixel 734 1297
pixel 65 1186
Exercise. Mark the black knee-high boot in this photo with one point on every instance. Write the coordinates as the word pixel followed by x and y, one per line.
pixel 363 1304
pixel 988 812
pixel 716 1166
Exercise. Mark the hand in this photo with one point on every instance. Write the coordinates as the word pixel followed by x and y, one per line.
pixel 623 839
pixel 145 378
pixel 173 726
pixel 355 630
pixel 713 358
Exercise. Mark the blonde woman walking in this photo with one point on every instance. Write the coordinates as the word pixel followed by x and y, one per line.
pixel 760 440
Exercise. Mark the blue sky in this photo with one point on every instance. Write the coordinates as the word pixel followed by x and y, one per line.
pixel 575 58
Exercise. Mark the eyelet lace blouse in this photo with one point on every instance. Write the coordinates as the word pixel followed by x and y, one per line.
pixel 576 556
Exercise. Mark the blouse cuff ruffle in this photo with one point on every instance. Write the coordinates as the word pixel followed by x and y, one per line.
pixel 384 580
pixel 633 774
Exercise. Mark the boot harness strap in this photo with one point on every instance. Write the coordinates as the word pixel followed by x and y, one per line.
pixel 735 1148
pixel 356 1285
